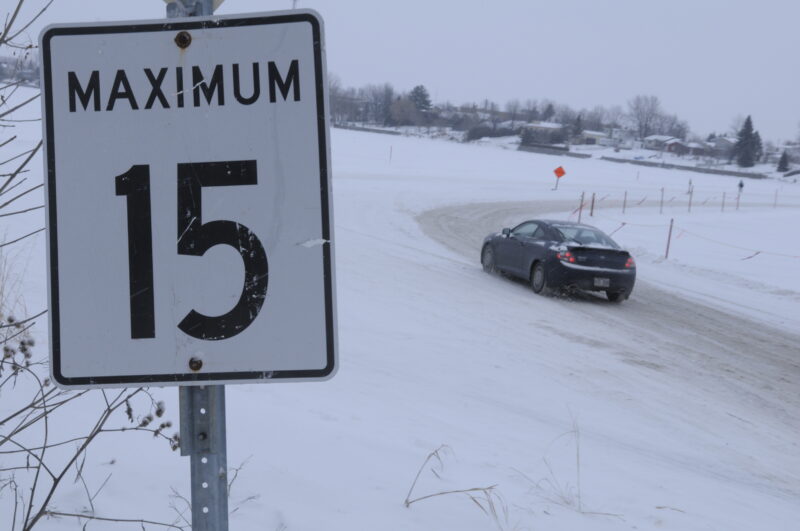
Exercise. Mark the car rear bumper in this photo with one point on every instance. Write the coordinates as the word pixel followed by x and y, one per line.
pixel 562 275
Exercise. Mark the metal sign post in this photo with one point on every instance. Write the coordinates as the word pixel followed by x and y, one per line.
pixel 202 409
pixel 203 440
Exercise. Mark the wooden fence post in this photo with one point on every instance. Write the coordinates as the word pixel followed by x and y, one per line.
pixel 669 238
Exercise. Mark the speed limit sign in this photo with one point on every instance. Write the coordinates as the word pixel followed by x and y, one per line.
pixel 188 201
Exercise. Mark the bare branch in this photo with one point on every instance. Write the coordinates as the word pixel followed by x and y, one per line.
pixel 21 167
pixel 31 21
pixel 117 520
pixel 10 139
pixel 12 84
pixel 18 196
pixel 17 240
pixel 21 211
pixel 16 324
pixel 9 23
pixel 24 103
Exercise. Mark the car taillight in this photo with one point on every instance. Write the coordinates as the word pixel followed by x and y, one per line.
pixel 630 262
pixel 566 257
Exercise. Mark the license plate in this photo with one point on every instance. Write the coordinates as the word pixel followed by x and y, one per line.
pixel 601 282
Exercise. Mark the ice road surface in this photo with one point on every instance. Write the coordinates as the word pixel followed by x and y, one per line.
pixel 678 409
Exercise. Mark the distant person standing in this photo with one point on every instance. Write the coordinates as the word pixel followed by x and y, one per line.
pixel 741 186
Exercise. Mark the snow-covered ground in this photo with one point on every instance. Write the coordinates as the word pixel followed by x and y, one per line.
pixel 596 151
pixel 677 409
pixel 650 155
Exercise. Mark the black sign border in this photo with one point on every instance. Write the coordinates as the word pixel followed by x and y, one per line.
pixel 176 379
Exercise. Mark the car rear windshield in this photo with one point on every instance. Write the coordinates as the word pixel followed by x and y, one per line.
pixel 585 236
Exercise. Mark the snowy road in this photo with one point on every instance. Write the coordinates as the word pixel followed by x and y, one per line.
pixel 722 358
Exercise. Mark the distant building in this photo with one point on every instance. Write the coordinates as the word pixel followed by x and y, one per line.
pixel 622 138
pixel 544 126
pixel 657 142
pixel 698 149
pixel 723 147
pixel 593 137
pixel 543 133
pixel 676 146
pixel 514 125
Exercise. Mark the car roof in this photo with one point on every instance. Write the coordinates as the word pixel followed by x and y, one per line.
pixel 552 222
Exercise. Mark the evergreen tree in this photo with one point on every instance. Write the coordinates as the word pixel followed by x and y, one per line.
pixel 745 148
pixel 783 164
pixel 758 147
pixel 577 127
pixel 420 97
pixel 711 137
pixel 548 113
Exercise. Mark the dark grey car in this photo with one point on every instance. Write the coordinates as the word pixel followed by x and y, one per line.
pixel 554 255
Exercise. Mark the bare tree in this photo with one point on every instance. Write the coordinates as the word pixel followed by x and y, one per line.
pixel 494 114
pixel 512 108
pixel 736 125
pixel 594 119
pixel 614 116
pixel 39 456
pixel 531 110
pixel 565 115
pixel 644 112
pixel 671 125
pixel 404 112
pixel 13 101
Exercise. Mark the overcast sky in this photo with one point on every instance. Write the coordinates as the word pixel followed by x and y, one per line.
pixel 708 61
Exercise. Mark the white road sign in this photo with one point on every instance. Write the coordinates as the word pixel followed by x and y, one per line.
pixel 188 201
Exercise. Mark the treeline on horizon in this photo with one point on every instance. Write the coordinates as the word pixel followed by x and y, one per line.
pixel 642 116
pixel 381 104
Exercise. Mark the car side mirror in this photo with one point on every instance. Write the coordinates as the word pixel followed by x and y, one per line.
pixel 506 232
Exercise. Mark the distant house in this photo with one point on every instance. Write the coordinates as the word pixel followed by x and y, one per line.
pixel 697 149
pixel 723 146
pixel 543 133
pixel 622 138
pixel 514 125
pixel 544 126
pixel 676 146
pixel 657 141
pixel 592 137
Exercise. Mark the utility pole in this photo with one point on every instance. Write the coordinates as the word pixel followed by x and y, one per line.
pixel 202 408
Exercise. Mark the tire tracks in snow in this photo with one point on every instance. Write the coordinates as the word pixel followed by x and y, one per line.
pixel 721 356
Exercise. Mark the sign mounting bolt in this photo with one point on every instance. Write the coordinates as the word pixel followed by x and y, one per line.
pixel 183 39
pixel 195 364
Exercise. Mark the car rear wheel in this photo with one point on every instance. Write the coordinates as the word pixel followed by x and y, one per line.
pixel 617 296
pixel 539 278
pixel 487 259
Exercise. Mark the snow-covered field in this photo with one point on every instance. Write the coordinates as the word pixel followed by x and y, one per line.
pixel 595 150
pixel 677 409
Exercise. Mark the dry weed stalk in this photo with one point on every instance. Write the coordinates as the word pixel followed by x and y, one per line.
pixel 549 488
pixel 487 499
